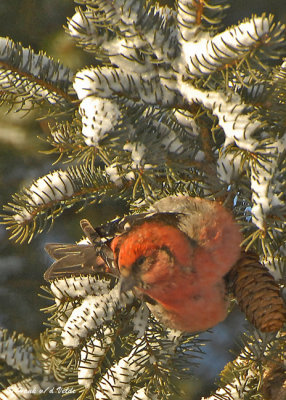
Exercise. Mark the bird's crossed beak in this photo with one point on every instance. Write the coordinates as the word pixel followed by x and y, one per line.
pixel 127 283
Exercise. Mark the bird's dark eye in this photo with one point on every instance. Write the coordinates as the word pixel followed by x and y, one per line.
pixel 140 260
pixel 138 263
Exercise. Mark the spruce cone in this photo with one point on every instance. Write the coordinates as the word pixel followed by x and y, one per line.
pixel 257 293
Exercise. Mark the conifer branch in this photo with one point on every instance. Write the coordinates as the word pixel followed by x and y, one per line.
pixel 28 78
pixel 36 207
pixel 175 103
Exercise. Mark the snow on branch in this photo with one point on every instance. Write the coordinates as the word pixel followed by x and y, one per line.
pixel 36 77
pixel 19 353
pixel 174 104
pixel 108 82
pixel 116 381
pixel 36 206
pixel 93 312
pixel 208 54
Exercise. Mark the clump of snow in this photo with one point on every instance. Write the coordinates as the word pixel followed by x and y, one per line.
pixel 116 381
pixel 55 186
pixel 91 356
pixel 99 117
pixel 208 54
pixel 92 313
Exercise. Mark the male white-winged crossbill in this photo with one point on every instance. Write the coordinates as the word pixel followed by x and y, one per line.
pixel 175 258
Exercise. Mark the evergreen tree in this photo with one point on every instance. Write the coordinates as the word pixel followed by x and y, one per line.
pixel 174 103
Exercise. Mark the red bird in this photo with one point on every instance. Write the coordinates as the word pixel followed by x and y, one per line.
pixel 174 258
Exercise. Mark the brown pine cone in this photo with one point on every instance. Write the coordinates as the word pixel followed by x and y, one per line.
pixel 257 293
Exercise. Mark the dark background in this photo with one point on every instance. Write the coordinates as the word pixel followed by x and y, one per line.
pixel 39 24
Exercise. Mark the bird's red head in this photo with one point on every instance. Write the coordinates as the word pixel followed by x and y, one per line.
pixel 152 251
